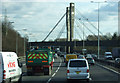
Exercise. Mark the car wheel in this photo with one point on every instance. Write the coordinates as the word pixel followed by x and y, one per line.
pixel 68 80
pixel 88 80
pixel 7 81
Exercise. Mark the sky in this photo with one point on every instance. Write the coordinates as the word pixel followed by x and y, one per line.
pixel 38 17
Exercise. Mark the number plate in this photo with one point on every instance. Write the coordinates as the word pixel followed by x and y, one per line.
pixel 77 72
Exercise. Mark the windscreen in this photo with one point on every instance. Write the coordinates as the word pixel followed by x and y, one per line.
pixel 108 54
pixel 78 63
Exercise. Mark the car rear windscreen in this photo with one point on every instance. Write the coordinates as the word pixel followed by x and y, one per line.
pixel 78 63
pixel 89 59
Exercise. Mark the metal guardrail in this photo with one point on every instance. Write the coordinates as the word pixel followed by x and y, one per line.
pixel 108 63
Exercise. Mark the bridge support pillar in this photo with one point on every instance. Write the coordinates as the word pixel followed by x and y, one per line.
pixel 68 27
pixel 72 14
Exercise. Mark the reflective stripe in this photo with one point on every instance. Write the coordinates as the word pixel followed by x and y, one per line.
pixel 46 55
pixel 31 56
pixel 43 56
pixel 37 56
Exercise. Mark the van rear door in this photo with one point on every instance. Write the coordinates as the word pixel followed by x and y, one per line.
pixel 1 68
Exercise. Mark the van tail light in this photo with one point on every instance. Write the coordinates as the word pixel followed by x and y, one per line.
pixel 68 71
pixel 4 71
pixel 4 75
pixel 87 70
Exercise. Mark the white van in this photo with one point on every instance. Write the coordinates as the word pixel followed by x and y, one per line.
pixel 10 68
pixel 78 69
pixel 108 55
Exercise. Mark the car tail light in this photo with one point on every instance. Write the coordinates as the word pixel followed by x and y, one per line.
pixel 68 71
pixel 87 70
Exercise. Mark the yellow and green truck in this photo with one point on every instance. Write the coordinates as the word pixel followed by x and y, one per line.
pixel 39 61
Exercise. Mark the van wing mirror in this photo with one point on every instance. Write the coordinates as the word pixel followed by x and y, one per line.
pixel 20 65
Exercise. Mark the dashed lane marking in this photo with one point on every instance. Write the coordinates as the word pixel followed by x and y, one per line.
pixel 90 78
pixel 55 71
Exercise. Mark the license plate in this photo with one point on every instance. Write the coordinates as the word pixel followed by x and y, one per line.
pixel 77 72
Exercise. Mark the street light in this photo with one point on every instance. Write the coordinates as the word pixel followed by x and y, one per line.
pixel 28 38
pixel 98 27
pixel 24 41
pixel 83 33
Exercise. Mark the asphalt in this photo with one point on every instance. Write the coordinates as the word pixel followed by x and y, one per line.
pixel 98 74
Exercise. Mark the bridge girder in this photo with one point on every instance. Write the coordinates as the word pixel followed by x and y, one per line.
pixel 76 43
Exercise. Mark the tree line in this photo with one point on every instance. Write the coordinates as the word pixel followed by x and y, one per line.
pixel 9 39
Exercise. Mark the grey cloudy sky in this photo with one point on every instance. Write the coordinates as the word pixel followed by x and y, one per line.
pixel 40 16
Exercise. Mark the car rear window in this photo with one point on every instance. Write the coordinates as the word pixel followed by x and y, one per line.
pixel 89 59
pixel 78 63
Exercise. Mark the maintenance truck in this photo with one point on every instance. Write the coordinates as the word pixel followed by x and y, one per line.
pixel 116 52
pixel 39 61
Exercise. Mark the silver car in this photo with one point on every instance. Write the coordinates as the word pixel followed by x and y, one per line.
pixel 90 60
pixel 78 69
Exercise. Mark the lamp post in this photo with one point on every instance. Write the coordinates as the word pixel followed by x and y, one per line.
pixel 98 27
pixel 16 42
pixel 24 40
pixel 83 33
pixel 28 38
pixel 83 37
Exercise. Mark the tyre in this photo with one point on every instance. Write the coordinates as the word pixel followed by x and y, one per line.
pixel 88 80
pixel 20 79
pixel 29 73
pixel 47 70
pixel 50 70
pixel 7 81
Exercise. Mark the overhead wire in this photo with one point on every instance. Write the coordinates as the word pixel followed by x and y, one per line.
pixel 90 23
pixel 54 27
pixel 61 31
pixel 87 28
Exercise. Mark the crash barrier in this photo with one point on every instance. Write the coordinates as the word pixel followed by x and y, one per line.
pixel 107 62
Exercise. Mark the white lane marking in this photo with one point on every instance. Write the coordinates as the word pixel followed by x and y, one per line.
pixel 108 68
pixel 90 78
pixel 53 75
pixel 55 71
pixel 49 80
pixel 24 64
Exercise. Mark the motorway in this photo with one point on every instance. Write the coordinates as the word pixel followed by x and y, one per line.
pixel 98 74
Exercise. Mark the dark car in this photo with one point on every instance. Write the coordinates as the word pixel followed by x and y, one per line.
pixel 117 60
pixel 90 60
pixel 94 56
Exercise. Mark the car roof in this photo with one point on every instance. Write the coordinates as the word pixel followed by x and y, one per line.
pixel 117 58
pixel 89 57
pixel 76 59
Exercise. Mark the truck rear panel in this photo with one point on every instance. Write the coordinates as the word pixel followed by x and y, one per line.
pixel 38 58
pixel 38 61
